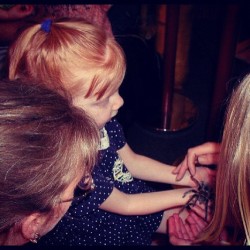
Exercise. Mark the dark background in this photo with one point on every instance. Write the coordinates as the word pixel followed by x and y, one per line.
pixel 142 88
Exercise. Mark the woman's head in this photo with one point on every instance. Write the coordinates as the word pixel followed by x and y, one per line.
pixel 46 147
pixel 74 54
pixel 235 155
pixel 233 175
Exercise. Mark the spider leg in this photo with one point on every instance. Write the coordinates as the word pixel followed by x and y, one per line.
pixel 203 198
pixel 190 191
pixel 182 209
pixel 195 197
pixel 189 202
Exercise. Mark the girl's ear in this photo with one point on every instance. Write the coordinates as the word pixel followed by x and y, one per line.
pixel 31 226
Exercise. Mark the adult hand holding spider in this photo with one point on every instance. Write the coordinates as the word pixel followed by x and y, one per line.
pixel 187 232
pixel 203 176
pixel 204 154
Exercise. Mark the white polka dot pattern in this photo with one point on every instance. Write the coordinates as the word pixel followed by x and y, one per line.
pixel 85 224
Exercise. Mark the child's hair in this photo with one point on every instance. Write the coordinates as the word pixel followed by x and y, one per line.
pixel 74 54
pixel 45 143
pixel 232 202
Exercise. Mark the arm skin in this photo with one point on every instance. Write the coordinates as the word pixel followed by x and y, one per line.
pixel 204 154
pixel 148 169
pixel 144 203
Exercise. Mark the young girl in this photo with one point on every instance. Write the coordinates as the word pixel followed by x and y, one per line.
pixel 122 208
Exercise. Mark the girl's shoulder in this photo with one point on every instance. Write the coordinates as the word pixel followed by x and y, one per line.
pixel 113 126
pixel 115 133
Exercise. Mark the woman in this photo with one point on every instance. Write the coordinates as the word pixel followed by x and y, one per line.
pixel 46 148
pixel 232 203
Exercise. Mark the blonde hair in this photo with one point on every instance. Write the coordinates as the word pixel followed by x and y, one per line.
pixel 45 143
pixel 74 54
pixel 232 204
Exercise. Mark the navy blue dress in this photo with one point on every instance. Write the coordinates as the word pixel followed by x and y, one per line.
pixel 86 224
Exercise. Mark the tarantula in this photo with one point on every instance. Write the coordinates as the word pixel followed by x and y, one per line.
pixel 203 194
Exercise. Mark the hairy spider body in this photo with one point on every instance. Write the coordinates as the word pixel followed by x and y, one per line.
pixel 203 195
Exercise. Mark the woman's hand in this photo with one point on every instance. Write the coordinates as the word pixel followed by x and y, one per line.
pixel 204 154
pixel 185 233
pixel 205 175
pixel 180 233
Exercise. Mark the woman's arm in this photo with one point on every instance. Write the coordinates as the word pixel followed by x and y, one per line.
pixel 144 203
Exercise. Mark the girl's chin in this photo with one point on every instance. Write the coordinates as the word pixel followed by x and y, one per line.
pixel 100 126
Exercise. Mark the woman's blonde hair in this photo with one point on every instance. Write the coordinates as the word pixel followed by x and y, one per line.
pixel 232 204
pixel 45 143
pixel 74 54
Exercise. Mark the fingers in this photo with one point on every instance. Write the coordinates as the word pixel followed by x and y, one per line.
pixel 185 233
pixel 192 160
pixel 204 154
pixel 181 173
pixel 194 219
pixel 206 175
pixel 181 169
pixel 195 230
pixel 180 231
pixel 179 234
pixel 185 229
pixel 200 211
pixel 171 225
pixel 208 159
pixel 178 242
pixel 177 169
pixel 207 148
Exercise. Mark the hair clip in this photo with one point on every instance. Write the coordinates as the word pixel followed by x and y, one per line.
pixel 46 25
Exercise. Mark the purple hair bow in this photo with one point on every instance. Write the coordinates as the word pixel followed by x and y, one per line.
pixel 46 25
